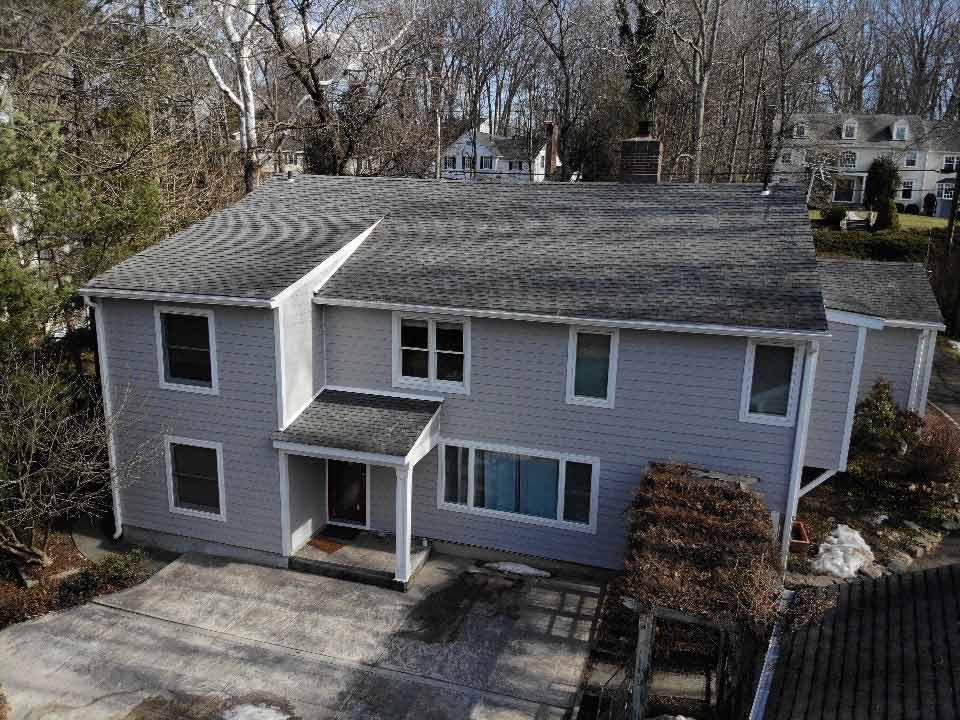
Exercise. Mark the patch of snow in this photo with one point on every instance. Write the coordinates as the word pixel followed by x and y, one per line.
pixel 955 344
pixel 878 519
pixel 843 553
pixel 517 569
pixel 255 712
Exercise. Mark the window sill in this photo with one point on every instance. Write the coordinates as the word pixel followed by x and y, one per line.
pixel 199 389
pixel 590 402
pixel 760 419
pixel 517 517
pixel 435 385
pixel 218 517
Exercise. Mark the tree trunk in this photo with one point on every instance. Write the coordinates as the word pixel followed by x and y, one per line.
pixel 738 124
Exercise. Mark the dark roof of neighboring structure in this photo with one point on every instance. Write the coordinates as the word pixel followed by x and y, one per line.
pixel 889 649
pixel 253 249
pixel 513 148
pixel 361 422
pixel 890 290
pixel 878 129
pixel 712 254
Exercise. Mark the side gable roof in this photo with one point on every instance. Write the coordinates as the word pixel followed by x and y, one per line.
pixel 889 290
pixel 877 129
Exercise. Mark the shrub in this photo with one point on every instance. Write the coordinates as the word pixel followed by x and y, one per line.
pixel 929 204
pixel 900 207
pixel 116 572
pixel 19 604
pixel 913 209
pixel 900 245
pixel 78 588
pixel 936 456
pixel 887 217
pixel 834 215
pixel 883 438
pixel 883 178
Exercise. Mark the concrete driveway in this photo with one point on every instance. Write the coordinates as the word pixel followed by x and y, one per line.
pixel 207 638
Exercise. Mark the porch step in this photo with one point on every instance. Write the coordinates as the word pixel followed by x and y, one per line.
pixel 367 576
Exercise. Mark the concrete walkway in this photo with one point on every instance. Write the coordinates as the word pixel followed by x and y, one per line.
pixel 210 634
pixel 944 390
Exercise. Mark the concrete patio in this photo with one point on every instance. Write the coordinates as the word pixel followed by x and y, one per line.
pixel 208 634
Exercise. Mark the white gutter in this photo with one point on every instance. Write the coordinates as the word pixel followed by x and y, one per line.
pixel 699 329
pixel 760 699
pixel 108 414
pixel 89 292
pixel 799 445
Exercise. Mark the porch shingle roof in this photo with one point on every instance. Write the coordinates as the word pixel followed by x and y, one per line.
pixel 891 290
pixel 361 422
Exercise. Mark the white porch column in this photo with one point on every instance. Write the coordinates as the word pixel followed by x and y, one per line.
pixel 404 524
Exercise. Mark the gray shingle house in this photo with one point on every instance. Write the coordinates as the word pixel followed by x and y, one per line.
pixel 338 351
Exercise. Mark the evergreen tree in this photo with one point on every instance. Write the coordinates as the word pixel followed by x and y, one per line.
pixel 883 179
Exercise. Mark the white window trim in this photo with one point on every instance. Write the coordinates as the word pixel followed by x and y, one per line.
pixel 368 483
pixel 849 154
pixel 787 420
pixel 572 398
pixel 562 458
pixel 848 124
pixel 906 157
pixel 906 131
pixel 800 131
pixel 159 310
pixel 430 382
pixel 169 440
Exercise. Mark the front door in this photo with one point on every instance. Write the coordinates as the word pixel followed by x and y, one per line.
pixel 347 492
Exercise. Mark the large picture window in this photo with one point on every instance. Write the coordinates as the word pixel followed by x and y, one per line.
pixel 770 383
pixel 186 349
pixel 195 477
pixel 592 366
pixel 526 486
pixel 431 353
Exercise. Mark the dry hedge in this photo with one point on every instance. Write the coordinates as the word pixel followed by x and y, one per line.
pixel 703 547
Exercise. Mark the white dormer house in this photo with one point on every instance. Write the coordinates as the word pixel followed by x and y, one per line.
pixel 501 158
pixel 927 152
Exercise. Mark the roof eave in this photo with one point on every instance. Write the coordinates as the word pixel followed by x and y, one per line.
pixel 656 325
pixel 158 296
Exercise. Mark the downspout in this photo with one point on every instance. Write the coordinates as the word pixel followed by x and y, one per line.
pixel 104 368
pixel 799 445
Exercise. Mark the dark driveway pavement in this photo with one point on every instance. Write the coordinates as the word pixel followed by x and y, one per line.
pixel 945 381
pixel 210 639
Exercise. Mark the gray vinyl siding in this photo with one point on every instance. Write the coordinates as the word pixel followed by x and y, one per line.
pixel 302 349
pixel 890 353
pixel 241 417
pixel 677 398
pixel 383 508
pixel 308 496
pixel 831 395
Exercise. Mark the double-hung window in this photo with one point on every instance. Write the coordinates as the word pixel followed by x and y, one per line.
pixel 186 349
pixel 848 159
pixel 592 366
pixel 771 379
pixel 786 157
pixel 195 477
pixel 467 162
pixel 431 352
pixel 906 189
pixel 486 162
pixel 900 132
pixel 850 131
pixel 910 158
pixel 450 162
pixel 944 192
pixel 527 486
pixel 949 163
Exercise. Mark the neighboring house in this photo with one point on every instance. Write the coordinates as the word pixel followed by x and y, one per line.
pixel 502 158
pixel 926 151
pixel 889 649
pixel 327 351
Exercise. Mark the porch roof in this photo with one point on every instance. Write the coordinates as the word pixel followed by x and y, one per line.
pixel 361 422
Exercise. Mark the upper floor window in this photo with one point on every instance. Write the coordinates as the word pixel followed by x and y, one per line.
pixel 186 349
pixel 800 130
pixel 431 352
pixel 592 366
pixel 195 477
pixel 467 161
pixel 910 158
pixel 770 383
pixel 848 159
pixel 949 163
pixel 900 131
pixel 450 162
pixel 906 189
pixel 786 157
pixel 850 130
pixel 944 191
pixel 486 162
pixel 527 486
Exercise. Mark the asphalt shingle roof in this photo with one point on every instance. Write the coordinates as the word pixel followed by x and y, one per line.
pixel 891 290
pixel 877 130
pixel 718 254
pixel 361 422
pixel 889 649
pixel 252 249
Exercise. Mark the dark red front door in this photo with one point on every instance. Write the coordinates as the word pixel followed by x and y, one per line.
pixel 347 492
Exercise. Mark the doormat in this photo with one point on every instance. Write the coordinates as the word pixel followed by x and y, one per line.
pixel 325 544
pixel 342 533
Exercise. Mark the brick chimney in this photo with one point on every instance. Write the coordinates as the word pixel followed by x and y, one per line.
pixel 553 141
pixel 640 157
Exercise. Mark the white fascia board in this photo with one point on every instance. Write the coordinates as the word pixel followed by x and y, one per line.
pixel 174 297
pixel 325 270
pixel 698 329
pixel 915 324
pixel 426 441
pixel 330 453
pixel 849 318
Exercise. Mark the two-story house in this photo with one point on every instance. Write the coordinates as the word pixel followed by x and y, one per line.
pixel 481 155
pixel 326 351
pixel 927 152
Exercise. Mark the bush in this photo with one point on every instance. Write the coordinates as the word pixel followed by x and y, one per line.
pixel 901 245
pixel 116 572
pixel 929 204
pixel 78 588
pixel 887 217
pixel 936 456
pixel 900 207
pixel 883 178
pixel 834 215
pixel 19 604
pixel 913 209
pixel 883 439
